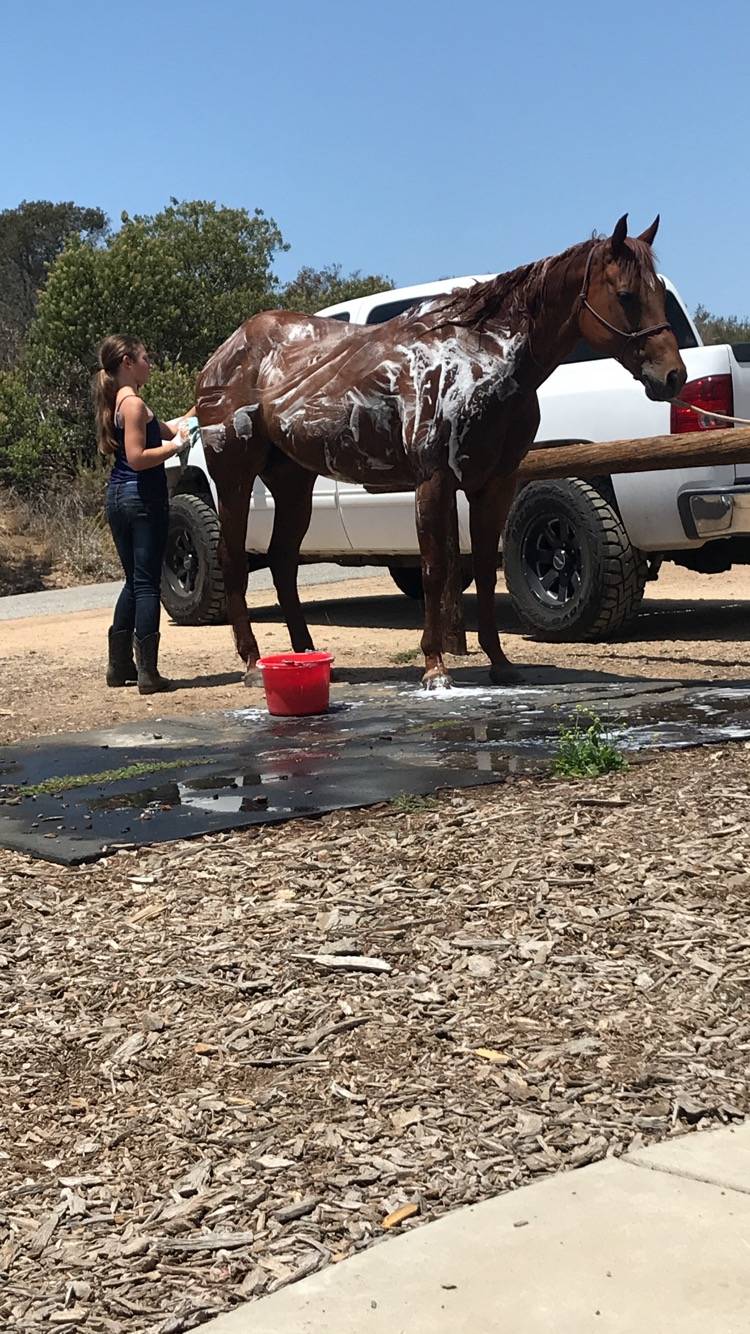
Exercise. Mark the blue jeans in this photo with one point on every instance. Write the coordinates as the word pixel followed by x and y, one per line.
pixel 139 527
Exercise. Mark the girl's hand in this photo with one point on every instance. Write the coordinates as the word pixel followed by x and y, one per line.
pixel 183 433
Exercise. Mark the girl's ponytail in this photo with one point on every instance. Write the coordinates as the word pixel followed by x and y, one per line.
pixel 112 353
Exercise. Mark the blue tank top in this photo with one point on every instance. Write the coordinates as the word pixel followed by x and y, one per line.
pixel 151 482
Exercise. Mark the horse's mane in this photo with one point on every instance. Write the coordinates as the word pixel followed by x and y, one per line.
pixel 518 295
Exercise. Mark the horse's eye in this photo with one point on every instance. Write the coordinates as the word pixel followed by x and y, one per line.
pixel 626 298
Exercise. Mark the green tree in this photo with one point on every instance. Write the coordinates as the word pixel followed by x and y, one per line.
pixel 181 280
pixel 314 289
pixel 721 328
pixel 30 436
pixel 31 237
pixel 170 390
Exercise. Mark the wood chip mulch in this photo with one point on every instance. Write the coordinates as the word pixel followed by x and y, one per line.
pixel 228 1062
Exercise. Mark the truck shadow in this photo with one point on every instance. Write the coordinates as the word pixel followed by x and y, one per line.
pixel 659 620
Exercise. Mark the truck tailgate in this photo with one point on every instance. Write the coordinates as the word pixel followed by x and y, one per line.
pixel 740 363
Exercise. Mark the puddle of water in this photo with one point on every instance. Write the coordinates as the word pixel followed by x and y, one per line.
pixel 234 797
pixel 217 792
pixel 725 692
pixel 498 762
pixel 167 795
pixel 210 782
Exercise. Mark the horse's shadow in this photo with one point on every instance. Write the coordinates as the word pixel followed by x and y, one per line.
pixel 214 679
pixel 536 675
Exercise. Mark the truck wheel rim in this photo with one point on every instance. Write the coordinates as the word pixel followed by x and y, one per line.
pixel 181 563
pixel 551 559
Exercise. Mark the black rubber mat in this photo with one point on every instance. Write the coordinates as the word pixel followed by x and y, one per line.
pixel 70 798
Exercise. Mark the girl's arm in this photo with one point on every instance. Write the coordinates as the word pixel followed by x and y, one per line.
pixel 170 429
pixel 135 419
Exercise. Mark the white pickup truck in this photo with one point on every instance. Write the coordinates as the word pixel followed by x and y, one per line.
pixel 576 554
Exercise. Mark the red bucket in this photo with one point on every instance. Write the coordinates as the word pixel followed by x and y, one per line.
pixel 296 683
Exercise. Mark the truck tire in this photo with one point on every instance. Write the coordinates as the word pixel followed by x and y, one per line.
pixel 192 587
pixel 570 568
pixel 408 578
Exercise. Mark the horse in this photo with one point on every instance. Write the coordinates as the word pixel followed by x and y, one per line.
pixel 440 398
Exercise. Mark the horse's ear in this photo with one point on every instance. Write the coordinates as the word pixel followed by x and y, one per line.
pixel 650 232
pixel 617 239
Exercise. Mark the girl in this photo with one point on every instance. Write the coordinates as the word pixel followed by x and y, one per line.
pixel 137 506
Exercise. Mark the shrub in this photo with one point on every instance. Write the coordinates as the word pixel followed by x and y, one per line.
pixel 67 527
pixel 71 515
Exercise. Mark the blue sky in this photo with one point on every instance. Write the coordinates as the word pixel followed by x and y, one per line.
pixel 417 139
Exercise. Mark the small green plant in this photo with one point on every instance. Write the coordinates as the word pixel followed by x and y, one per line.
pixel 409 803
pixel 586 749
pixel 407 655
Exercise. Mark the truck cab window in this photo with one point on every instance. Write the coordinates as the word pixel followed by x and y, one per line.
pixel 390 309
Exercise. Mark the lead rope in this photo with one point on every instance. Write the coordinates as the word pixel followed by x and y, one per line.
pixel 703 412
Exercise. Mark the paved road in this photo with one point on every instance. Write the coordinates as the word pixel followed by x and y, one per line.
pixel 92 597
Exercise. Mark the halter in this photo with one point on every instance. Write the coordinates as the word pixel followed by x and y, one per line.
pixel 622 333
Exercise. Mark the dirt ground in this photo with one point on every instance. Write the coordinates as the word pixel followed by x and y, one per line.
pixel 52 668
pixel 201 1101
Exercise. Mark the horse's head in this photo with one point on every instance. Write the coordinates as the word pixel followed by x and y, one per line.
pixel 622 311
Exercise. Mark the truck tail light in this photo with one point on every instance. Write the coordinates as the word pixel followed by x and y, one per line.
pixel 712 393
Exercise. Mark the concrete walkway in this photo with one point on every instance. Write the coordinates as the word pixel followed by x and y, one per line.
pixel 657 1241
pixel 93 597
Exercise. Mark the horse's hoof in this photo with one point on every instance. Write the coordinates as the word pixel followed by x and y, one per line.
pixel 438 681
pixel 505 674
pixel 252 677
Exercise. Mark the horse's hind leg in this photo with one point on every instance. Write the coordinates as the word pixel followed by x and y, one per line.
pixel 433 501
pixel 291 487
pixel 488 510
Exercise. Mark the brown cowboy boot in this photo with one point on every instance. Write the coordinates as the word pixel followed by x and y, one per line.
pixel 121 669
pixel 147 655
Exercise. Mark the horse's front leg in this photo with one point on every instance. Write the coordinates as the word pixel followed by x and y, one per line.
pixel 488 510
pixel 434 498
pixel 291 487
pixel 233 477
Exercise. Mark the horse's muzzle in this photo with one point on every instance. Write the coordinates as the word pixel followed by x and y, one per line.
pixel 663 388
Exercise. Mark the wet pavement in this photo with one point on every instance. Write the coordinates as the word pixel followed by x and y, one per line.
pixel 139 784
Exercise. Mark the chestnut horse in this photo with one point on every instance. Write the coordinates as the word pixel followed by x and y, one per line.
pixel 441 398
